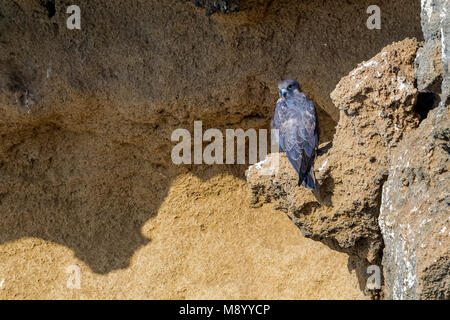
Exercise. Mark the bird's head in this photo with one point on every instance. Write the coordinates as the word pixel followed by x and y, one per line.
pixel 286 88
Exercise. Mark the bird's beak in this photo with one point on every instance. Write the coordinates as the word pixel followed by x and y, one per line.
pixel 283 93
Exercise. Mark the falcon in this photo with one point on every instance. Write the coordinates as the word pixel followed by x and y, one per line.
pixel 296 119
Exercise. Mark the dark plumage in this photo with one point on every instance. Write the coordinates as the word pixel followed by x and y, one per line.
pixel 295 118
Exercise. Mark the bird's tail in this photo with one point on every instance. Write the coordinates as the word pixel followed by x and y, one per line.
pixel 308 180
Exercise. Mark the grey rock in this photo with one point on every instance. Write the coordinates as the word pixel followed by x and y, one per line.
pixel 432 61
pixel 445 25
pixel 414 216
pixel 429 67
pixel 429 58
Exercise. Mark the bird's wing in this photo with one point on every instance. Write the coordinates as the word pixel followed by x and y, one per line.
pixel 277 122
pixel 296 120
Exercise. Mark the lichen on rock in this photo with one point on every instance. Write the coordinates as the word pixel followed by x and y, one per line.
pixel 85 124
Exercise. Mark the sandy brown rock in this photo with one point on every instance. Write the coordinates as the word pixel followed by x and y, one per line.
pixel 86 116
pixel 377 107
pixel 204 243
pixel 414 216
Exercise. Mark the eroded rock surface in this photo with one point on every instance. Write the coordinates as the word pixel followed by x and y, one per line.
pixel 85 124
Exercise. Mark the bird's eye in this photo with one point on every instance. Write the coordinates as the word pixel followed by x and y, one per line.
pixel 289 87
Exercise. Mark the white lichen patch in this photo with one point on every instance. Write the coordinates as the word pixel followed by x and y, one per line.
pixel 427 7
pixel 323 165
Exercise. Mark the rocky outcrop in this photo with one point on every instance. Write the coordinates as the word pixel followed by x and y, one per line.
pixel 376 102
pixel 86 117
pixel 414 216
pixel 224 69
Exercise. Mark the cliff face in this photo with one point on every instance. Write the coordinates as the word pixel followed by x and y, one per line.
pixel 383 180
pixel 204 243
pixel 85 123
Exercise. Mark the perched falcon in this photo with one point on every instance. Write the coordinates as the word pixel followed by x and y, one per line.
pixel 295 118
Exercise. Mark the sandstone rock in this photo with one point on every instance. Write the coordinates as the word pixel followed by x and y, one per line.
pixel 376 101
pixel 86 115
pixel 224 69
pixel 205 243
pixel 415 216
